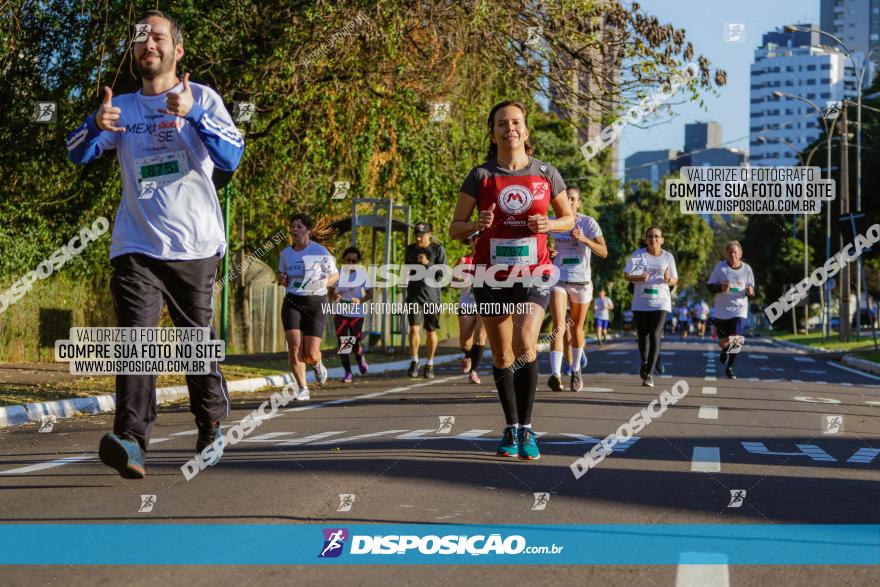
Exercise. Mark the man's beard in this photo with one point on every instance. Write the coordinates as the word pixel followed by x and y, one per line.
pixel 153 70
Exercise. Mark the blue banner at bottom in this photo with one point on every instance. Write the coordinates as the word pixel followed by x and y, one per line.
pixel 378 544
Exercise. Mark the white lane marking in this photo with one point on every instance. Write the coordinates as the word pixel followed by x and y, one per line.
pixel 753 379
pixel 708 412
pixel 710 378
pixel 796 381
pixel 816 400
pixel 305 439
pixel 415 434
pixel 597 389
pixel 856 371
pixel 667 352
pixel 472 434
pixel 266 437
pixel 46 465
pixel 158 440
pixel 756 356
pixel 804 359
pixel 710 390
pixel 821 382
pixel 186 433
pixel 872 403
pixel 666 377
pixel 617 353
pixel 815 371
pixel 706 459
pixel 702 575
pixel 358 437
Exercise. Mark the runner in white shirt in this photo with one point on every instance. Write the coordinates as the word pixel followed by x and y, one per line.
pixel 601 307
pixel 306 269
pixel 575 287
pixel 652 271
pixel 168 236
pixel 733 283
pixel 701 312
pixel 684 318
pixel 353 292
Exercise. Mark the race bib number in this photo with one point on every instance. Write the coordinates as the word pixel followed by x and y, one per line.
pixel 735 287
pixel 514 251
pixel 571 260
pixel 652 291
pixel 163 169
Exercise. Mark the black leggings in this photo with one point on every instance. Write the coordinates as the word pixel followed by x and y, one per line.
pixel 649 327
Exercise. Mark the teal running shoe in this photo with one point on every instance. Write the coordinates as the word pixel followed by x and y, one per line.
pixel 508 446
pixel 528 448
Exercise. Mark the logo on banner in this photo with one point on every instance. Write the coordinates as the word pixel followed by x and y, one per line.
pixel 334 540
pixel 515 199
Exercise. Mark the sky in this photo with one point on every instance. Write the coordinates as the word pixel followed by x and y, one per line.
pixel 704 25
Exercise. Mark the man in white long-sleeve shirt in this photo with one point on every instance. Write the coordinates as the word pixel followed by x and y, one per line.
pixel 168 236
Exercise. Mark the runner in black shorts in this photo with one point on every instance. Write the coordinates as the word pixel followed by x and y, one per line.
pixel 306 269
pixel 512 192
pixel 422 297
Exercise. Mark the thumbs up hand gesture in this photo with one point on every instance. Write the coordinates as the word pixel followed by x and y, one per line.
pixel 179 104
pixel 107 115
pixel 486 217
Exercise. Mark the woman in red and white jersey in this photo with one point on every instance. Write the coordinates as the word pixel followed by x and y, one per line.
pixel 512 192
pixel 471 334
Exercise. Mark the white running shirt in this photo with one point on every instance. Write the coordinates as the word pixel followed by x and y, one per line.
pixel 573 256
pixel 733 303
pixel 653 294
pixel 181 218
pixel 307 270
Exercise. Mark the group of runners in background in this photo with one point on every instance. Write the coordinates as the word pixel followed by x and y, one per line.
pixel 168 239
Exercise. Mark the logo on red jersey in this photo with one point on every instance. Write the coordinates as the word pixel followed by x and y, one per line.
pixel 515 199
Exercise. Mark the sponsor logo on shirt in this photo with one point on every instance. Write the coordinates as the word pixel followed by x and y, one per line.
pixel 515 199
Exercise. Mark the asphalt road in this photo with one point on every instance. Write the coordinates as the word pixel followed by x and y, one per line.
pixel 381 440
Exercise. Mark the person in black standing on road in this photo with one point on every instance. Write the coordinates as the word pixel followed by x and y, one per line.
pixel 427 253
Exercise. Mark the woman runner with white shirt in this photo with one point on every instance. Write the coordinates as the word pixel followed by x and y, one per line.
pixel 306 269
pixel 652 271
pixel 575 286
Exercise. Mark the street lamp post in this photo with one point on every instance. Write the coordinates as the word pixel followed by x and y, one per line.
pixel 792 28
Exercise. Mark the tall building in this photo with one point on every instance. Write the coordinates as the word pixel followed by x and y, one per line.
pixel 650 165
pixel 800 64
pixel 702 135
pixel 855 22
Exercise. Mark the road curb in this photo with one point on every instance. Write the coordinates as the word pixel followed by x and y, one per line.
pixel 854 361
pixel 67 408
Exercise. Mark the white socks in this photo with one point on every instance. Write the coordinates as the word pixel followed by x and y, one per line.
pixel 415 358
pixel 576 355
pixel 556 363
pixel 431 362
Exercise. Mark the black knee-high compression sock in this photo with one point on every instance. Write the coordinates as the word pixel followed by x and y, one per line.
pixel 476 355
pixel 525 382
pixel 505 384
pixel 731 359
